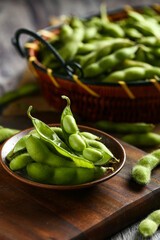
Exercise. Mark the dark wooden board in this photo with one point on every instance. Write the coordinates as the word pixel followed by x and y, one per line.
pixel 96 213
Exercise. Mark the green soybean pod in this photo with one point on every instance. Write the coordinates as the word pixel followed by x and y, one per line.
pixel 149 225
pixel 134 63
pixel 107 63
pixel 66 32
pixel 150 41
pixel 20 161
pixel 133 33
pixel 128 75
pixel 18 93
pixel 39 172
pixel 59 132
pixel 99 145
pixel 152 72
pixel 142 139
pixel 141 172
pixel 124 127
pixel 6 133
pixel 51 138
pixel 19 148
pixel 112 29
pixel 39 152
pixel 84 175
pixel 63 176
pixel 107 155
pixel 90 136
pixel 70 129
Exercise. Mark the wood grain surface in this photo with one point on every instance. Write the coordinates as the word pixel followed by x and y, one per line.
pixel 95 213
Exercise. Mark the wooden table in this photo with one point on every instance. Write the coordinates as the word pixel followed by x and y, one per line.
pixel 34 15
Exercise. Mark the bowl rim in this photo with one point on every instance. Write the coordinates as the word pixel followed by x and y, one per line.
pixel 63 187
pixel 42 68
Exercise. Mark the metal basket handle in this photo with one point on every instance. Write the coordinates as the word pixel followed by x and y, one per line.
pixel 66 65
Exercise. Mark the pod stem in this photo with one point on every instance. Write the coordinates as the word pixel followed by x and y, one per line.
pixel 67 99
pixel 29 111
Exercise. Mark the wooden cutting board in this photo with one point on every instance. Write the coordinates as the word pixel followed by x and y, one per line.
pixel 95 213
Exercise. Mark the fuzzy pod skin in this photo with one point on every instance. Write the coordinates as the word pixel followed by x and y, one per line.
pixel 142 139
pixel 125 127
pixel 39 172
pixel 43 173
pixel 39 152
pixel 6 133
pixel 150 224
pixel 141 172
pixel 20 161
pixel 107 63
pixel 132 74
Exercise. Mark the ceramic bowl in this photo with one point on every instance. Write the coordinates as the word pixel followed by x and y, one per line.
pixel 115 147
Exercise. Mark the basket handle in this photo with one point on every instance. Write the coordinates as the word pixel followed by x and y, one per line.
pixel 66 65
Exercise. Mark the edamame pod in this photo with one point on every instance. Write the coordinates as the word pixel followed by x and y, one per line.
pixel 49 136
pixel 150 224
pixel 39 152
pixel 70 129
pixel 132 74
pixel 106 64
pixel 6 133
pixel 125 127
pixel 20 161
pixel 142 139
pixel 41 172
pixel 141 172
pixel 19 148
pixel 90 136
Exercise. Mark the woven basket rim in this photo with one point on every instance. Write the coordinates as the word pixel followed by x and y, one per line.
pixel 42 68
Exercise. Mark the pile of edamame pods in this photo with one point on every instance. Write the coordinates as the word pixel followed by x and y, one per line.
pixel 124 50
pixel 61 155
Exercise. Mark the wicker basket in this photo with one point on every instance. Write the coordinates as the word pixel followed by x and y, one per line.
pixel 134 102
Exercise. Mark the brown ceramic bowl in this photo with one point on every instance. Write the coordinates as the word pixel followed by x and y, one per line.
pixel 115 147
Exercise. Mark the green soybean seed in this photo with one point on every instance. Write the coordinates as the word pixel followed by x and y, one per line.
pixel 20 161
pixel 92 154
pixel 76 142
pixel 69 124
pixel 150 224
pixel 141 172
pixel 142 139
pixel 125 127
